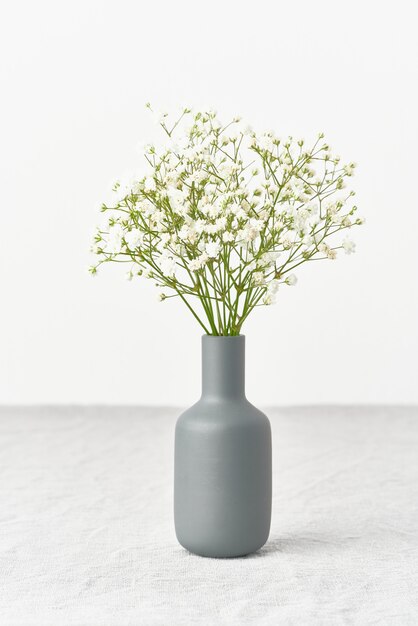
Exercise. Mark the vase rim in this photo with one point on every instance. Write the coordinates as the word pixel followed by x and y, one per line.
pixel 206 336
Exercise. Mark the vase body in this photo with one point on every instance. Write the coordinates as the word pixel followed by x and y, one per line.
pixel 222 469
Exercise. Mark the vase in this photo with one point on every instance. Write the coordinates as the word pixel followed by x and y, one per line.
pixel 222 467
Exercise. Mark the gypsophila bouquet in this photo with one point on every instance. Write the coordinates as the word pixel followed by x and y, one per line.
pixel 223 216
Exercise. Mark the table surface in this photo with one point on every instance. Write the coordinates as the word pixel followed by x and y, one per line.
pixel 87 538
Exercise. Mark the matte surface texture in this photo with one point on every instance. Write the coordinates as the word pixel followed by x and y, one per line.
pixel 222 489
pixel 87 536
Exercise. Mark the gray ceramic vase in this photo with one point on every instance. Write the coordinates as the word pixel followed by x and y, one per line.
pixel 222 477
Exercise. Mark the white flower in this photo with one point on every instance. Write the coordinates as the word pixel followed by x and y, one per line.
pixel 211 229
pixel 165 238
pixel 114 240
pixel 258 278
pixel 220 223
pixel 200 226
pixel 197 264
pixel 190 153
pixel 194 265
pixel 349 246
pixel 249 233
pixel 286 242
pixel 291 280
pixel 149 184
pixel 273 286
pixel 203 259
pixel 265 142
pixel 212 249
pixel 212 210
pixel 331 209
pixel 228 237
pixel 167 265
pixel 147 208
pixel 134 238
pixel 269 299
pixel 269 257
pixel 158 221
pixel 349 169
pixel 241 214
pixel 329 252
pixel 187 233
pixel 177 199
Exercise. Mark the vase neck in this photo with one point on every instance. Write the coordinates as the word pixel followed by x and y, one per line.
pixel 223 367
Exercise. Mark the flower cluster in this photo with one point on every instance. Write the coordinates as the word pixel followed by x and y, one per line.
pixel 224 215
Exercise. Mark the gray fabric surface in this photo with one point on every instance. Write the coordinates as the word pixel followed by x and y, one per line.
pixel 86 532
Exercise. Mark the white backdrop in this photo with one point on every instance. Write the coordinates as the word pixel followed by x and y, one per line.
pixel 75 78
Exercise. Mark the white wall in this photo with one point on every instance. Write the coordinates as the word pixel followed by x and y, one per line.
pixel 75 77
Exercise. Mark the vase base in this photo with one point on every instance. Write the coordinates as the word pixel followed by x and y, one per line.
pixel 206 552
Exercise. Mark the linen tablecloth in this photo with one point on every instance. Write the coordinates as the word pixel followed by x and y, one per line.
pixel 87 537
